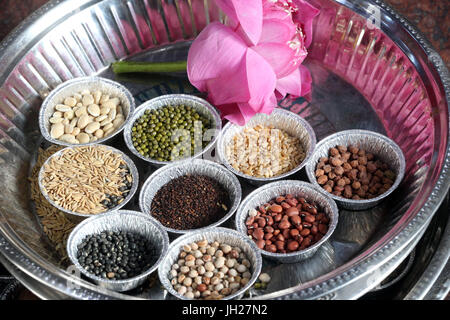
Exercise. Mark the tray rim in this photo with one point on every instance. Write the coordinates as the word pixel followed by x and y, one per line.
pixel 317 287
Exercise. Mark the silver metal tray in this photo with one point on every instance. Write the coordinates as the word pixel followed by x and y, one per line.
pixel 382 77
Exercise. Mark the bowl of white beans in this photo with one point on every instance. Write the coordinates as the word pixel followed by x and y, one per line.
pixel 84 111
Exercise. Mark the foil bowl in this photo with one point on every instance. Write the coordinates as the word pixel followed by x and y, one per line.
pixel 223 235
pixel 290 122
pixel 381 146
pixel 192 166
pixel 76 85
pixel 200 105
pixel 122 220
pixel 297 188
pixel 76 216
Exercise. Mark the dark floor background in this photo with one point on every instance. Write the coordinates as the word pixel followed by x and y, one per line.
pixel 430 16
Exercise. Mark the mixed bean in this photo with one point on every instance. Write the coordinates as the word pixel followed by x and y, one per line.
pixel 210 270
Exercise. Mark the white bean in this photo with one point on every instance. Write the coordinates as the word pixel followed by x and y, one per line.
pixel 62 107
pixel 87 99
pixel 57 130
pixel 98 133
pixel 94 110
pixel 83 137
pixel 55 120
pixel 70 101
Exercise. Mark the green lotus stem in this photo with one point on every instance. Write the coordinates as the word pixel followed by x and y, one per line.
pixel 148 67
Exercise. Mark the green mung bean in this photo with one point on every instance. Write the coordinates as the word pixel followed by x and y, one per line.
pixel 169 133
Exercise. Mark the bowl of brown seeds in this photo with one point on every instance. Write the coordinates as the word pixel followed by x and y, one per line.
pixel 190 195
pixel 87 180
pixel 268 148
pixel 84 111
pixel 358 168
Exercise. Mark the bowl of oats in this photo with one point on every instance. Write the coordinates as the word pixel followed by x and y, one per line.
pixel 268 148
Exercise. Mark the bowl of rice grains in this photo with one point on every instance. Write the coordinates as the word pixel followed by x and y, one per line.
pixel 268 148
pixel 188 195
pixel 88 180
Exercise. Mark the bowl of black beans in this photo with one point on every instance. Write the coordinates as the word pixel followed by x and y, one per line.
pixel 172 128
pixel 118 250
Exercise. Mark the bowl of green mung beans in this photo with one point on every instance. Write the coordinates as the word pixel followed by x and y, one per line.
pixel 172 128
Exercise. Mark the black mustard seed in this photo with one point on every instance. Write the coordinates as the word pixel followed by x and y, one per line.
pixel 189 202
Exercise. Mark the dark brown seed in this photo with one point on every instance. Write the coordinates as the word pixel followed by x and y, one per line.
pixel 284 224
pixel 323 228
pixel 260 244
pixel 279 245
pixel 201 287
pixel 293 245
pixel 292 211
pixel 258 234
pixel 268 236
pixel 305 232
pixel 276 208
pixel 311 209
pixel 322 179
pixel 292 202
pixel 296 220
pixel 261 222
pixel 294 233
pixel 319 172
pixel 306 242
pixel 333 152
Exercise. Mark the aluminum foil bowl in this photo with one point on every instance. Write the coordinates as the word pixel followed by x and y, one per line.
pixel 192 166
pixel 72 86
pixel 223 235
pixel 297 188
pixel 200 105
pixel 122 220
pixel 381 146
pixel 75 216
pixel 290 122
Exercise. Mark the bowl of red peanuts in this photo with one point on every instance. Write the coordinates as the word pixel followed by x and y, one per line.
pixel 288 220
pixel 357 168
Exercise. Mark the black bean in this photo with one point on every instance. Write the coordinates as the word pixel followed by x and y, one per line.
pixel 116 255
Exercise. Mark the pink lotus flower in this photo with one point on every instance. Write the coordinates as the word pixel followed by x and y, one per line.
pixel 255 59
